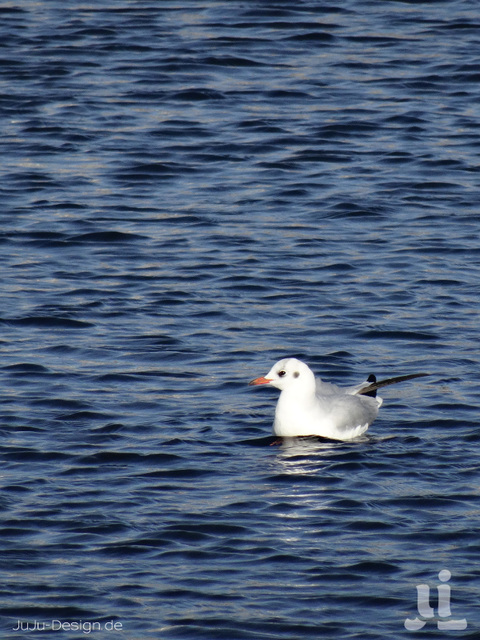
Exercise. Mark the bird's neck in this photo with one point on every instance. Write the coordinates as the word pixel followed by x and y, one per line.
pixel 300 393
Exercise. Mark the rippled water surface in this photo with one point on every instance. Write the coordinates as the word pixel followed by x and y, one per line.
pixel 190 191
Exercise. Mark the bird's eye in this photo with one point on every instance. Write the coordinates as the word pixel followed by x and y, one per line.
pixel 282 373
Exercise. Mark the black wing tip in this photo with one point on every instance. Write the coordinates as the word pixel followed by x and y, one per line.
pixel 372 378
pixel 371 389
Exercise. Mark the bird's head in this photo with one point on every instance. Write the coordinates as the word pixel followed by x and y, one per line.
pixel 288 374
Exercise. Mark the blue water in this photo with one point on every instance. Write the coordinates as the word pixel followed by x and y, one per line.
pixel 190 191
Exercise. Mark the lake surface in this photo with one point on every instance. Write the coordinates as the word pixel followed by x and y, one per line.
pixel 191 191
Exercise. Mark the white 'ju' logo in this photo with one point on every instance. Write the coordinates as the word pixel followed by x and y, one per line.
pixel 444 620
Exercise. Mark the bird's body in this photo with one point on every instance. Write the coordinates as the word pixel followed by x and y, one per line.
pixel 310 407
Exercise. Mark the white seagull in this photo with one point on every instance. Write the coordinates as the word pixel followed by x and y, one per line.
pixel 311 407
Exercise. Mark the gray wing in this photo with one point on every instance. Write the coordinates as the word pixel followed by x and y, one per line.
pixel 328 388
pixel 349 411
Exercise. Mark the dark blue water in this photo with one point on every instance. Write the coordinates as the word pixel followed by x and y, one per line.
pixel 190 191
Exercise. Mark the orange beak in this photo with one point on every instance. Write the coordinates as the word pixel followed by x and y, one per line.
pixel 260 381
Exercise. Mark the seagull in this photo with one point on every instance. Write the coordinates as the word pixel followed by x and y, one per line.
pixel 311 407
